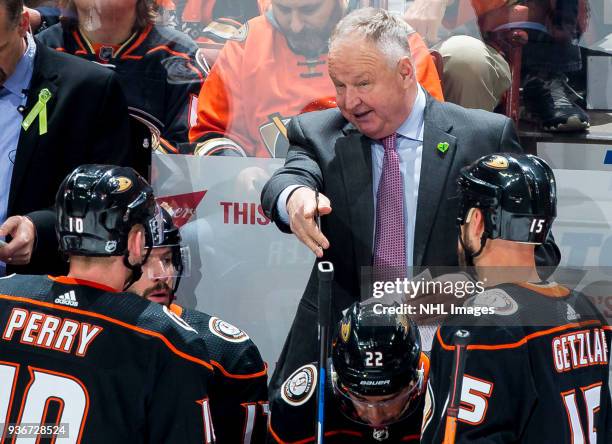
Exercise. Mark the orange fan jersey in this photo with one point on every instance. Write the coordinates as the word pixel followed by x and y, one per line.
pixel 257 84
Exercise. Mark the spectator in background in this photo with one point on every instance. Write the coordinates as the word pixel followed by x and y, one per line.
pixel 156 65
pixel 274 69
pixel 43 14
pixel 203 19
pixel 56 112
pixel 476 76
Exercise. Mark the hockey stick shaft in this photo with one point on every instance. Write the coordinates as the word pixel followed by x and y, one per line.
pixel 461 340
pixel 326 276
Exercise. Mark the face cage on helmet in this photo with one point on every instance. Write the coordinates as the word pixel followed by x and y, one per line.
pixel 348 400
pixel 181 265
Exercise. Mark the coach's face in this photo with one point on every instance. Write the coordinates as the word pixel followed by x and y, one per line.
pixel 373 94
pixel 12 41
pixel 307 24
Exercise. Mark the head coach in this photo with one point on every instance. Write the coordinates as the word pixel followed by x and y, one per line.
pixel 384 165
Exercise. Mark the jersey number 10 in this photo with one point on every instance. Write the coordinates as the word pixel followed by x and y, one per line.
pixel 45 386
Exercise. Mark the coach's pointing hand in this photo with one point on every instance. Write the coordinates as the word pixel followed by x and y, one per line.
pixel 301 206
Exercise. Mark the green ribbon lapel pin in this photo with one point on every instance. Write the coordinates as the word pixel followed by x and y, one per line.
pixel 443 147
pixel 39 110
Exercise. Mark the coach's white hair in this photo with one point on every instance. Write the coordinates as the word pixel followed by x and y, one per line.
pixel 388 31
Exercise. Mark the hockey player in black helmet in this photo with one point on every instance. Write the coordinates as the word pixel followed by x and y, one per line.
pixel 238 392
pixel 105 211
pixel 516 198
pixel 104 364
pixel 377 375
pixel 536 365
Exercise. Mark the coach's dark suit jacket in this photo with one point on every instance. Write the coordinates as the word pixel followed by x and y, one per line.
pixel 329 154
pixel 87 122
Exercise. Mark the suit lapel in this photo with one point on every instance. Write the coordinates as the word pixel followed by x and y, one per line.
pixel 29 140
pixel 354 153
pixel 435 167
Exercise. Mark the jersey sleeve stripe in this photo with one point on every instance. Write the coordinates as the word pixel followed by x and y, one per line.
pixel 170 51
pixel 113 321
pixel 309 440
pixel 555 291
pixel 259 374
pixel 168 146
pixel 522 341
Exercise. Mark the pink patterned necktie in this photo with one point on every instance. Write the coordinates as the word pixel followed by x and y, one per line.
pixel 389 241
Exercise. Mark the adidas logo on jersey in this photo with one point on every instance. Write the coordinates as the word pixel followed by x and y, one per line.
pixel 67 299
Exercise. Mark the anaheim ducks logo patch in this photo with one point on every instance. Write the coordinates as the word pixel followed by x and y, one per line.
pixel 122 184
pixel 300 386
pixel 226 331
pixel 497 162
pixel 495 298
pixel 345 330
pixel 274 135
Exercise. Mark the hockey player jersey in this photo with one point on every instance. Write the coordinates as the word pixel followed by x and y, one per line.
pixel 97 366
pixel 158 71
pixel 294 406
pixel 239 391
pixel 257 84
pixel 536 371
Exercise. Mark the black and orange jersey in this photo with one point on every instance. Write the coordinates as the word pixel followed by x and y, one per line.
pixel 158 71
pixel 536 371
pixel 99 366
pixel 239 393
pixel 294 414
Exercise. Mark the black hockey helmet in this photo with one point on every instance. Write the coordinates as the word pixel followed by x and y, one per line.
pixel 516 193
pixel 96 207
pixel 376 354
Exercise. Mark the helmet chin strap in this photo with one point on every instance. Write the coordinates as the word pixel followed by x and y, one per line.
pixel 136 269
pixel 172 298
pixel 467 253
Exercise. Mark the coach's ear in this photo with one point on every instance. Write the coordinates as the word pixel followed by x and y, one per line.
pixel 136 244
